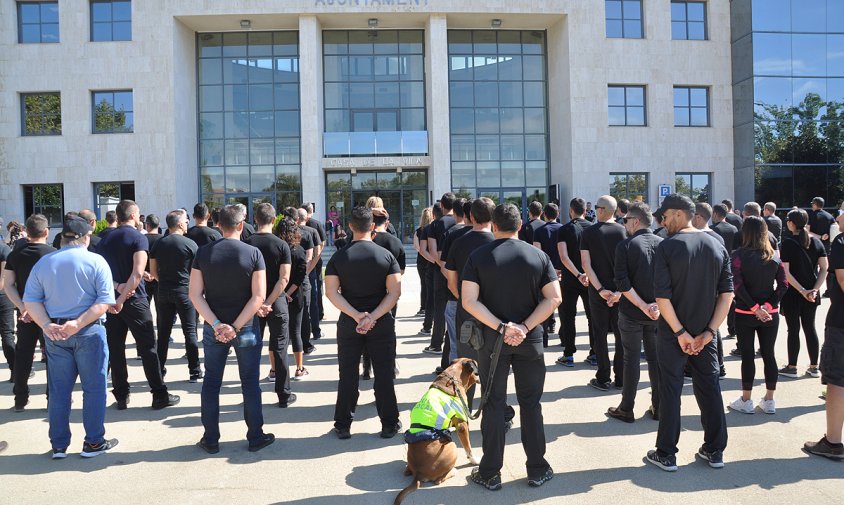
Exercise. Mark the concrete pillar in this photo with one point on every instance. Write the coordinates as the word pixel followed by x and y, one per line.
pixel 559 110
pixel 436 98
pixel 311 103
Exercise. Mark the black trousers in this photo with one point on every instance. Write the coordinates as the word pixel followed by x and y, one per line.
pixel 528 364
pixel 633 334
pixel 167 305
pixel 316 299
pixel 380 342
pixel 800 312
pixel 306 314
pixel 440 299
pixel 134 316
pixel 604 320
pixel 7 330
pixel 748 328
pixel 152 291
pixel 278 322
pixel 568 317
pixel 28 335
pixel 706 387
pixel 428 323
pixel 731 319
pixel 294 322
pixel 423 282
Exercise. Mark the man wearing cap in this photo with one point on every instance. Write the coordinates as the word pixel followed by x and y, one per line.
pixel 693 287
pixel 67 294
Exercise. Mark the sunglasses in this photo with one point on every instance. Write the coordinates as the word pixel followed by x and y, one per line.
pixel 599 207
pixel 628 219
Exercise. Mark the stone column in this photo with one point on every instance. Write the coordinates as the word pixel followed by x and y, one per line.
pixel 436 98
pixel 311 123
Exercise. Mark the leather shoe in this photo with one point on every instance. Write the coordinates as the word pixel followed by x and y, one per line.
pixel 266 440
pixel 208 447
pixel 286 403
pixel 343 433
pixel 123 404
pixel 391 431
pixel 621 415
pixel 168 401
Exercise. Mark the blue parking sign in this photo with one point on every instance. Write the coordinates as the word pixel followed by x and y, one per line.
pixel 664 190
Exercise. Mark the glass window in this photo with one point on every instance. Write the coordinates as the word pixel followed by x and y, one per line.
pixel 41 114
pixel 38 22
pixel 809 15
pixel 108 194
pixel 688 20
pixel 808 54
pixel 624 19
pixel 772 54
pixel 631 186
pixel 691 106
pixel 47 199
pixel 626 105
pixel 695 185
pixel 772 15
pixel 112 111
pixel 111 20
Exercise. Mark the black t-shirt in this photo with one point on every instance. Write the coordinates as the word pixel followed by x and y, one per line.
pixel 523 230
pixel 92 245
pixel 276 253
pixel 735 220
pixel 362 268
pixel 152 239
pixel 308 242
pixel 511 275
pixel 634 269
pixel 691 269
pixel 546 235
pixel 570 233
pixel 57 241
pixel 298 270
pixel 835 315
pixel 173 255
pixel 717 237
pixel 454 233
pixel 820 222
pixel 392 244
pixel 247 231
pixel 316 225
pixel 203 235
pixel 754 279
pixel 22 260
pixel 774 226
pixel 461 249
pixel 729 233
pixel 118 248
pixel 227 266
pixel 421 263
pixel 802 263
pixel 600 240
pixel 439 228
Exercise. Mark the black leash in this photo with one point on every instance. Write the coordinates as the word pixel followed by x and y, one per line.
pixel 496 353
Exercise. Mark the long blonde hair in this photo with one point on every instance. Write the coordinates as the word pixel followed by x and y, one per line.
pixel 427 217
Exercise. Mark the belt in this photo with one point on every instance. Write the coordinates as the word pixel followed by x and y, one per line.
pixel 62 320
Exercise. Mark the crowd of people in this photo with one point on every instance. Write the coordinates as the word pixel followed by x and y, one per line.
pixel 492 286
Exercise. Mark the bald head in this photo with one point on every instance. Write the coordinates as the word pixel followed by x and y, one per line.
pixel 303 215
pixel 605 207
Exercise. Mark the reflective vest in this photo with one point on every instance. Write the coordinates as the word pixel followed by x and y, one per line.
pixel 435 410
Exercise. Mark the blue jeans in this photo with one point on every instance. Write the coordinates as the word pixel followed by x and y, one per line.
pixel 86 355
pixel 451 329
pixel 247 348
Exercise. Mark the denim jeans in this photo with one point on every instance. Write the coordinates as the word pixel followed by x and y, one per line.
pixel 86 355
pixel 451 329
pixel 247 348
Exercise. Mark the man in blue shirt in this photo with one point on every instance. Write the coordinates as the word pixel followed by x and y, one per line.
pixel 545 238
pixel 67 294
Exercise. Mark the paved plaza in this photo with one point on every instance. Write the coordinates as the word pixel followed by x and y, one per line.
pixel 596 459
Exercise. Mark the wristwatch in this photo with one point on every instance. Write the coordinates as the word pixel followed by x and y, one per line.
pixel 679 332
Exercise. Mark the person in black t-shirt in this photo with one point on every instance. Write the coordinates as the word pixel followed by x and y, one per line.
pixel 7 317
pixel 732 239
pixel 462 227
pixel 693 288
pixel 364 282
pixel 703 214
pixel 316 278
pixel 273 312
pixel 436 239
pixel 534 215
pixel 88 215
pixel 228 285
pixel 126 250
pixel 574 282
pixel 431 270
pixel 752 209
pixel 545 238
pixel 288 231
pixel 820 221
pixel 170 262
pixel 151 223
pixel 597 253
pixel 732 218
pixel 774 223
pixel 422 265
pixel 18 265
pixel 201 233
pixel 309 236
pixel 511 288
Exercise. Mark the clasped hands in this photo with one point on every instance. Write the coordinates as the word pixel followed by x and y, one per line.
pixel 64 331
pixel 224 333
pixel 365 322
pixel 612 297
pixel 693 345
pixel 117 307
pixel 515 334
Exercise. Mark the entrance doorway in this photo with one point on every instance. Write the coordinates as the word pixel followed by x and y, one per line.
pixel 517 196
pixel 251 200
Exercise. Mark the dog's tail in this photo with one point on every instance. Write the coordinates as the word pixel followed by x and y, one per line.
pixel 406 491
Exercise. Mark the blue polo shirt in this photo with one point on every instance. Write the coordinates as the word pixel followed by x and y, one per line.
pixel 69 281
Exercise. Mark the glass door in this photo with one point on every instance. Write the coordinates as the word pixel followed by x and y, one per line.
pixel 250 201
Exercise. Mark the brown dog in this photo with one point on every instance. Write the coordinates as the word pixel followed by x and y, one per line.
pixel 434 460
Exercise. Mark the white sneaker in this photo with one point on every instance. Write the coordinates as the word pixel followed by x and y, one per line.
pixel 767 406
pixel 741 405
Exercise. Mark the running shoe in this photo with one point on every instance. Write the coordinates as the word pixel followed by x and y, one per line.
pixel 301 374
pixel 492 483
pixel 92 451
pixel 424 332
pixel 715 458
pixel 538 481
pixel 59 453
pixel 667 463
pixel 432 350
pixel 743 406
pixel 600 386
pixel 567 361
pixel 787 371
pixel 271 376
pixel 767 406
pixel 813 372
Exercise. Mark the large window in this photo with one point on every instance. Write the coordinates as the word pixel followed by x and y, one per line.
pixel 108 194
pixel 632 186
pixel 626 106
pixel 111 20
pixel 688 20
pixel 47 199
pixel 111 111
pixel 249 132
pixel 498 108
pixel 691 106
pixel 38 22
pixel 624 19
pixel 41 114
pixel 695 185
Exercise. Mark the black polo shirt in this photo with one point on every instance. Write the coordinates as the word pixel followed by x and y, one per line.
pixel 634 269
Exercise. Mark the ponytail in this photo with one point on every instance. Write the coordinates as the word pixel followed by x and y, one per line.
pixel 800 219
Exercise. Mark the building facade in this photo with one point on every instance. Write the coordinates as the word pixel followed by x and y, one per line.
pixel 332 101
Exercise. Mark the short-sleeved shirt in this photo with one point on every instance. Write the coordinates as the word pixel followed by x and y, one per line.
pixel 570 233
pixel 774 226
pixel 173 255
pixel 152 238
pixel 461 249
pixel 276 252
pixel 307 242
pixel 729 233
pixel 735 220
pixel 119 248
pixel 439 228
pixel 392 244
pixel 453 234
pixel 802 262
pixel 546 235
pixel 320 229
pixel 227 266
pixel 298 270
pixel 820 222
pixel 363 268
pixel 715 235
pixel 634 269
pixel 203 235
pixel 511 275
pixel 600 240
pixel 22 260
pixel 69 281
pixel 5 251
pixel 835 315
pixel 421 262
pixel 691 270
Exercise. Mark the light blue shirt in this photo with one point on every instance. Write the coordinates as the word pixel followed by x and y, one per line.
pixel 69 281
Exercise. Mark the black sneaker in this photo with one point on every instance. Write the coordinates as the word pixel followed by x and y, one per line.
pixel 310 349
pixel 600 386
pixel 196 376
pixel 20 407
pixel 343 433
pixel 536 482
pixel 208 447
pixel 59 453
pixel 667 463
pixel 432 350
pixel 654 413
pixel 123 404
pixel 167 401
pixel 715 458
pixel 492 483
pixel 391 431
pixel 290 401
pixel 508 425
pixel 788 371
pixel 722 373
pixel 92 451
pixel 424 332
pixel 735 352
pixel 266 440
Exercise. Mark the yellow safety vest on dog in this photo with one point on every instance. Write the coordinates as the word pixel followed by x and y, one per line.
pixel 434 411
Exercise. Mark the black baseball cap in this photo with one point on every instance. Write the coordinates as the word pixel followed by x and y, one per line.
pixel 677 202
pixel 75 227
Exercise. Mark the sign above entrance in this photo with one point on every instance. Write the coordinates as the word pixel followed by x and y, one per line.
pixel 378 162
pixel 385 4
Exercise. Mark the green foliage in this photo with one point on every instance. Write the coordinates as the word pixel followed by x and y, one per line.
pixel 108 120
pixel 102 224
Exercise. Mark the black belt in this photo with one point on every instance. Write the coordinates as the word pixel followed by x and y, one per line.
pixel 62 320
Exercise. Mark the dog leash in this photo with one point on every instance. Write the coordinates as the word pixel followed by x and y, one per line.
pixel 496 353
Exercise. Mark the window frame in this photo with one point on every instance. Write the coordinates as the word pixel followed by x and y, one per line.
pixel 689 107
pixel 626 106
pixel 710 177
pixel 41 114
pixel 21 24
pixel 686 21
pixel 622 19
pixel 111 22
pixel 122 194
pixel 626 175
pixel 30 208
pixel 114 112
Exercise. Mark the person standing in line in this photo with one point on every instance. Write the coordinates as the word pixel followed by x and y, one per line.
pixel 376 202
pixel 274 312
pixel 752 209
pixel 57 240
pixel 201 233
pixel 288 231
pixel 16 272
pixel 832 363
pixel 733 218
pixel 732 238
pixel 314 250
pixel 316 276
pixel 227 286
pixel 597 254
pixel 545 239
pixel 364 282
pixel 805 262
pixel 534 216
pixel 170 261
pixel 511 288
pixel 820 222
pixel 659 229
pixel 693 287
pixel 430 303
pixel 575 283
pixel 89 216
pixel 589 215
pixel 638 312
pixel 621 210
pixel 7 318
pixel 66 295
pixel 774 223
pixel 436 239
pixel 756 271
pixel 703 214
pixel 151 224
pixel 462 227
pixel 126 249
pixel 422 265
